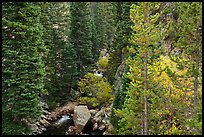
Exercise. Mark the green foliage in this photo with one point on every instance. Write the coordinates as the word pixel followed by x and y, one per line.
pixel 103 63
pixel 11 128
pixel 60 61
pixel 95 38
pixel 173 92
pixel 81 36
pixel 95 90
pixel 131 115
pixel 117 54
pixel 133 104
pixel 105 21
pixel 188 39
pixel 91 102
pixel 119 98
pixel 122 34
pixel 168 102
pixel 47 47
pixel 22 62
pixel 69 77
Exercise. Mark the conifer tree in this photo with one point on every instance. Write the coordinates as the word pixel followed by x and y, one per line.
pixel 122 34
pixel 22 64
pixel 145 36
pixel 58 61
pixel 80 36
pixel 170 79
pixel 47 37
pixel 95 35
pixel 190 39
pixel 187 53
pixel 70 69
pixel 95 41
pixel 182 34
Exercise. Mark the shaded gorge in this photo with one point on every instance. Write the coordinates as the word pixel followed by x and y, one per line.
pixel 61 126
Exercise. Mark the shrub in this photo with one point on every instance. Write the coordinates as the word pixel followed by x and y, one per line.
pixel 103 63
pixel 95 90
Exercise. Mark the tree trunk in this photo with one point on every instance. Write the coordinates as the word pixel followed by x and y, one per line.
pixel 196 78
pixel 145 98
pixel 146 14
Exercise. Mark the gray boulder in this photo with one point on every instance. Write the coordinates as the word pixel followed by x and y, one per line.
pixel 81 117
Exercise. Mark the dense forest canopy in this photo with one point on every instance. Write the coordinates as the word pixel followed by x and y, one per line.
pixel 142 59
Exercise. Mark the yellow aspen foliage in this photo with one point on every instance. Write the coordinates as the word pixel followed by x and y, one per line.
pixel 133 84
pixel 103 63
pixel 174 95
pixel 163 121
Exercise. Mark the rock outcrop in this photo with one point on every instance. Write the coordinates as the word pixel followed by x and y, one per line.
pixel 81 117
pixel 118 77
pixel 47 118
pixel 100 120
pixel 68 108
pixel 75 119
pixel 38 126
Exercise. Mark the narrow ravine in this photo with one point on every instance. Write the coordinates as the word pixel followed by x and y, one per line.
pixel 60 121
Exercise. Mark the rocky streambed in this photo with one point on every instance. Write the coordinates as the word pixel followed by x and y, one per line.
pixel 73 119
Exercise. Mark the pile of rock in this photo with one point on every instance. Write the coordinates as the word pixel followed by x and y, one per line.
pixel 82 116
pixel 101 121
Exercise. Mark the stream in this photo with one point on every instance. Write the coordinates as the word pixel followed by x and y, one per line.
pixel 61 126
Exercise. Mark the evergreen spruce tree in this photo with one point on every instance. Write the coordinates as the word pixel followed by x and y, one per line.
pixel 80 36
pixel 138 91
pixel 188 54
pixel 60 61
pixel 100 22
pixel 67 69
pixel 47 37
pixel 22 65
pixel 123 32
pixel 95 35
pixel 95 41
pixel 69 77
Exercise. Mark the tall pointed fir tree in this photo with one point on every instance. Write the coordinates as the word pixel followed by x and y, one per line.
pixel 104 19
pixel 80 36
pixel 60 61
pixel 121 36
pixel 95 35
pixel 117 53
pixel 22 65
pixel 136 103
pixel 186 51
pixel 69 75
pixel 47 38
